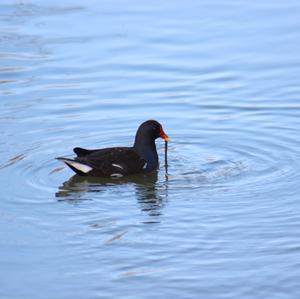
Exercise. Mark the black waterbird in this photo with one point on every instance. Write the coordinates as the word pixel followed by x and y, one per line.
pixel 120 161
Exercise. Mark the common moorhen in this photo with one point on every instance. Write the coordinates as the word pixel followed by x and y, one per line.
pixel 121 161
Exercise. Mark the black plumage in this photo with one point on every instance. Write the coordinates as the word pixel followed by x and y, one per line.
pixel 120 161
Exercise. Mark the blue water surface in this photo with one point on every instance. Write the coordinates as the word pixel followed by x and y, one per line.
pixel 223 77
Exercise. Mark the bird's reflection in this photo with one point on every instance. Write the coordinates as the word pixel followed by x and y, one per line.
pixel 151 196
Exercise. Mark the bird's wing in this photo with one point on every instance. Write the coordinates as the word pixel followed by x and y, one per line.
pixel 114 161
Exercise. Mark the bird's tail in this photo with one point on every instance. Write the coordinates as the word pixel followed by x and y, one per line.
pixel 79 167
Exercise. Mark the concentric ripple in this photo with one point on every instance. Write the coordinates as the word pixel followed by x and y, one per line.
pixel 253 164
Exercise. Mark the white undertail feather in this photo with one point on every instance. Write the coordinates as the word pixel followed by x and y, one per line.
pixel 81 167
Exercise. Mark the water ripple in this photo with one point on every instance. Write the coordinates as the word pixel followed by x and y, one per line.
pixel 222 78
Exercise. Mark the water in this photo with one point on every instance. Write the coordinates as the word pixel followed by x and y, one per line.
pixel 222 78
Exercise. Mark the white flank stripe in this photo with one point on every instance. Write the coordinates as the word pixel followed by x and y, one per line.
pixel 82 167
pixel 117 165
pixel 145 165
pixel 116 175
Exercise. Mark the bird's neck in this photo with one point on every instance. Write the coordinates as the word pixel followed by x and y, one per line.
pixel 147 150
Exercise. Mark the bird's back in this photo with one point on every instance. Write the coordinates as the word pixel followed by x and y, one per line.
pixel 115 161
